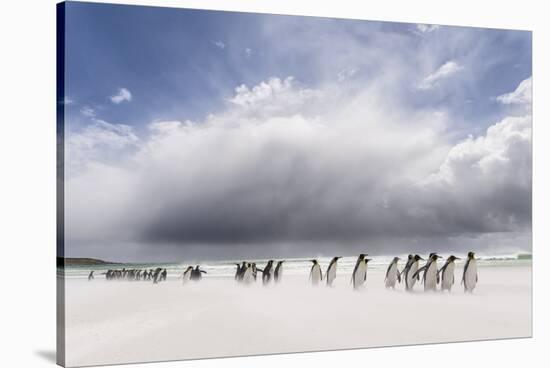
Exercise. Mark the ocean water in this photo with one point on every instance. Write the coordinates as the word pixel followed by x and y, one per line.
pixel 295 267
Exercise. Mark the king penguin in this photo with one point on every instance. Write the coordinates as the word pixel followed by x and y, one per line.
pixel 278 275
pixel 407 265
pixel 315 275
pixel 238 272
pixel 187 274
pixel 248 275
pixel 366 261
pixel 359 272
pixel 196 274
pixel 469 277
pixel 410 271
pixel 331 270
pixel 267 271
pixel 447 274
pixel 429 278
pixel 392 274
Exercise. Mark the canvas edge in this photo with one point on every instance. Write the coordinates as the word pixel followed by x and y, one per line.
pixel 60 186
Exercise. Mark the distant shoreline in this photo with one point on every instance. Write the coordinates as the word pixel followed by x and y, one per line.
pixel 81 262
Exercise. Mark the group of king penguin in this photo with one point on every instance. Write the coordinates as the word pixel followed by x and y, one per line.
pixel 247 272
pixel 193 274
pixel 431 275
pixel 412 272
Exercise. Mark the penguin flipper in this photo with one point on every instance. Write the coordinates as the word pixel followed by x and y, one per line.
pixel 464 272
pixel 417 273
pixel 388 271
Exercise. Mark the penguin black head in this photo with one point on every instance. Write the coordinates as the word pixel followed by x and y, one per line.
pixel 434 256
pixel 452 258
pixel 367 260
pixel 314 261
pixel 362 255
pixel 471 255
pixel 417 257
pixel 395 259
pixel 410 256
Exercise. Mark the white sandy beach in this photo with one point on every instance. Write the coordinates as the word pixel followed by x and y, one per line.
pixel 121 322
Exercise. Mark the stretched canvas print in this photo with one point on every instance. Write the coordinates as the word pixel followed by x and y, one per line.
pixel 238 184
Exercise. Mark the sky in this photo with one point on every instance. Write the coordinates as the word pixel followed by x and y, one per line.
pixel 209 135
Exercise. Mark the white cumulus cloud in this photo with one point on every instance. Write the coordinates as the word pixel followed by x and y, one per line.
pixel 87 111
pixel 273 97
pixel 345 74
pixel 445 71
pixel 97 142
pixel 219 44
pixel 521 96
pixel 426 28
pixel 122 95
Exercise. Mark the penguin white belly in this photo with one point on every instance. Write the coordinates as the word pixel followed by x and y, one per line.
pixel 470 278
pixel 447 277
pixel 391 279
pixel 280 273
pixel 316 275
pixel 359 276
pixel 331 274
pixel 186 276
pixel 247 277
pixel 430 281
pixel 410 279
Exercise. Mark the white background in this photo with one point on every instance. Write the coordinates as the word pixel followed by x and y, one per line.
pixel 27 181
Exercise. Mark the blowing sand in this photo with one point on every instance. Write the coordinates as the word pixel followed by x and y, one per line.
pixel 123 322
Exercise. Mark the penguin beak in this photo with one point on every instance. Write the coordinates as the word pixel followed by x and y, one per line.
pixel 421 258
pixel 458 258
pixel 438 256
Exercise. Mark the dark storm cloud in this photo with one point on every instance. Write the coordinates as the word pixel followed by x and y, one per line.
pixel 302 183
